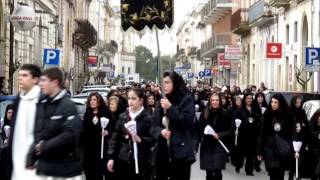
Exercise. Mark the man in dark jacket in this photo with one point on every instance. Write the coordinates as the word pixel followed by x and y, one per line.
pixel 57 131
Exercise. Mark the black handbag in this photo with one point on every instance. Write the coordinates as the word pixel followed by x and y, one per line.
pixel 282 146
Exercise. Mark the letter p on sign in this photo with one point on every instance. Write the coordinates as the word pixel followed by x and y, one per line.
pixel 51 56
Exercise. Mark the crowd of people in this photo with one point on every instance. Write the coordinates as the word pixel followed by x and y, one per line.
pixel 152 132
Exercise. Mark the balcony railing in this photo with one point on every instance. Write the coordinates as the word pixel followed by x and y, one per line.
pixel 192 51
pixel 215 10
pixel 260 13
pixel 110 49
pixel 217 42
pixel 279 3
pixel 85 35
pixel 239 22
pixel 180 54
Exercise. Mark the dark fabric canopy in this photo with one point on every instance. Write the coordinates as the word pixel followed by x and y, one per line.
pixel 141 13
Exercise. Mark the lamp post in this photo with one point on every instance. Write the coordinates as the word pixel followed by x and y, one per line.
pixel 23 18
pixel 11 70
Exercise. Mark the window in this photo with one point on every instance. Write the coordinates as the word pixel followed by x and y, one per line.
pixel 287 34
pixel 295 63
pixel 122 69
pixel 129 70
pixel 30 53
pixel 16 49
pixel 295 31
pixel 254 51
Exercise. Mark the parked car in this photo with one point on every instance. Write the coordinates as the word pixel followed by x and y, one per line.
pixel 81 106
pixel 288 95
pixel 310 107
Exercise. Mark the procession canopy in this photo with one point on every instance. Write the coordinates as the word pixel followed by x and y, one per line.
pixel 141 13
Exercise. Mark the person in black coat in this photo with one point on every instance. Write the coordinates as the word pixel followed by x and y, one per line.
pixel 121 143
pixel 94 166
pixel 315 144
pixel 56 149
pixel 174 151
pixel 237 106
pixel 261 103
pixel 151 103
pixel 249 115
pixel 301 133
pixel 275 139
pixel 4 144
pixel 213 156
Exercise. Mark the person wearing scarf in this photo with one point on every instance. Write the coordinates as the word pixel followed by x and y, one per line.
pixel 213 156
pixel 275 138
pixel 121 143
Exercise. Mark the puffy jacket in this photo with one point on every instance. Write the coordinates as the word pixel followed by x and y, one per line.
pixel 58 127
pixel 121 145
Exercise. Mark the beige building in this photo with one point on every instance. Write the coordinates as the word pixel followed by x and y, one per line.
pixel 294 24
pixel 62 24
pixel 188 59
pixel 216 18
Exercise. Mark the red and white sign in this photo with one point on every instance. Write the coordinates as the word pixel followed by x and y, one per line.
pixel 274 50
pixel 23 18
pixel 222 61
pixel 92 60
pixel 232 52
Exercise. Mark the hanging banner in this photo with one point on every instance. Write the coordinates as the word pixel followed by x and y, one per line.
pixel 141 13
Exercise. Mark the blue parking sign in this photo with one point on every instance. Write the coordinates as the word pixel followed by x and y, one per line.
pixel 207 72
pixel 312 59
pixel 51 56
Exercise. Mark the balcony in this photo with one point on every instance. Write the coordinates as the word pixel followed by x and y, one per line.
pixel 180 54
pixel 84 35
pixel 214 10
pixel 239 22
pixel 192 51
pixel 215 44
pixel 260 14
pixel 109 49
pixel 279 3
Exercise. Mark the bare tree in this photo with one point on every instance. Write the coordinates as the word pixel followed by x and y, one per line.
pixel 16 65
pixel 303 81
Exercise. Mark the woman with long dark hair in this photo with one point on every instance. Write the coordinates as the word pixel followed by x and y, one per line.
pixel 174 118
pixel 249 128
pixel 213 156
pixel 7 119
pixel 94 166
pixel 151 103
pixel 275 140
pixel 122 141
pixel 4 175
pixel 260 100
pixel 301 133
pixel 315 145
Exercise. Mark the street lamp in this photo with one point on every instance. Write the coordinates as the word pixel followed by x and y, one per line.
pixel 23 18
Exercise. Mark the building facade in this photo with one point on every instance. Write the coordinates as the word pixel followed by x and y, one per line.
pixel 294 24
pixel 188 60
pixel 216 19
